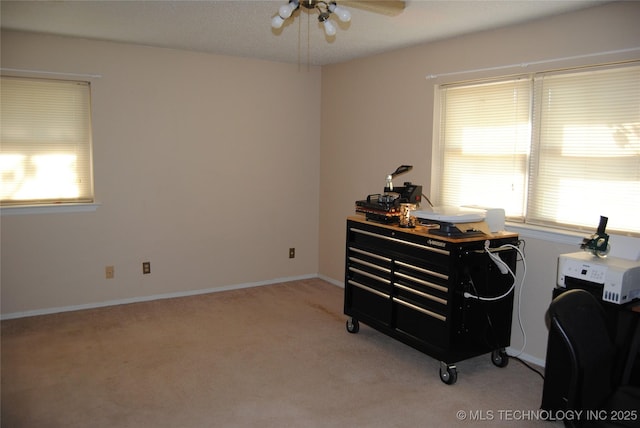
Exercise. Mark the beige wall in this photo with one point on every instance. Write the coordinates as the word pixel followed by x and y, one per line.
pixel 381 114
pixel 206 166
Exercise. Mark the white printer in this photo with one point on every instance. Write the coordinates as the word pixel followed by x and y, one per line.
pixel 619 279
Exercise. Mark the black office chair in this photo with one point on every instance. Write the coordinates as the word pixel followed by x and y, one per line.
pixel 579 321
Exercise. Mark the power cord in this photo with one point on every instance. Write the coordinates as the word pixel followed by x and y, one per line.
pixel 505 269
pixel 527 365
pixel 492 344
pixel 524 334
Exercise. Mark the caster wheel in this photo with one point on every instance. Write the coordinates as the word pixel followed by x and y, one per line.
pixel 353 325
pixel 499 358
pixel 448 374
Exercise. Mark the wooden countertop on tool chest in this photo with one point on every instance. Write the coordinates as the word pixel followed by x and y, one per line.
pixel 423 230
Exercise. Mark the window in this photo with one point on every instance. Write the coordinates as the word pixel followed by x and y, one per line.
pixel 45 156
pixel 555 149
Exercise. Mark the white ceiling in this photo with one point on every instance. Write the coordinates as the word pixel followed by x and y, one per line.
pixel 243 27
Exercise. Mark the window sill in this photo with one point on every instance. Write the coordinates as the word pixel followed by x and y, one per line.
pixel 546 234
pixel 48 209
pixel 625 247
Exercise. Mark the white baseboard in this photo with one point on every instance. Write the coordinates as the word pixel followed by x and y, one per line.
pixel 526 357
pixel 331 281
pixel 48 311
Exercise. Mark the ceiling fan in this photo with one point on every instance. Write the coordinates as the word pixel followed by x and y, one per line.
pixel 326 8
pixel 386 7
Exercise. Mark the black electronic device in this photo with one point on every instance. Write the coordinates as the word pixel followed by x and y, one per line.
pixel 452 230
pixel 385 207
pixel 598 243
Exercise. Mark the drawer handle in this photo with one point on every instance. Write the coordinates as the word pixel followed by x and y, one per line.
pixel 369 289
pixel 366 253
pixel 419 309
pixel 371 265
pixel 370 275
pixel 400 241
pixel 423 270
pixel 420 293
pixel 423 282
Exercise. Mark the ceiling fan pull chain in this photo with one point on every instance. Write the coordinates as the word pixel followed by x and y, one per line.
pixel 308 40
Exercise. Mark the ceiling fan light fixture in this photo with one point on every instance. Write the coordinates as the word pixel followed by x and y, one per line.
pixel 277 21
pixel 329 28
pixel 286 10
pixel 343 14
pixel 324 9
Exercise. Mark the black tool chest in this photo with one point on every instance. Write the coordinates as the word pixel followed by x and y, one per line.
pixel 410 285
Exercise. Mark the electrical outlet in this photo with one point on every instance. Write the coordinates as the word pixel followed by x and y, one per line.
pixel 109 272
pixel 146 268
pixel 292 253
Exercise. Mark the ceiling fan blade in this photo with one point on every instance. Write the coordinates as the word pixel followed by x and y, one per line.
pixel 386 7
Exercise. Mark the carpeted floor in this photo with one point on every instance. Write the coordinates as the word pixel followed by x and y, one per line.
pixel 271 356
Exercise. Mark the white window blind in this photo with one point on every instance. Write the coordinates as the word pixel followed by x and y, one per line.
pixel 485 134
pixel 587 149
pixel 556 149
pixel 45 152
